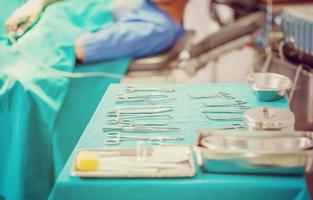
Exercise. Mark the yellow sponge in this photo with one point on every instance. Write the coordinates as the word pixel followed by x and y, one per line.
pixel 87 161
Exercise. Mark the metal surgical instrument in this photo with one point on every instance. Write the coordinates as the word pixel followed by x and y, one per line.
pixel 146 100
pixel 131 89
pixel 129 122
pixel 232 127
pixel 224 118
pixel 141 129
pixel 238 104
pixel 140 110
pixel 224 95
pixel 114 138
pixel 224 111
pixel 153 95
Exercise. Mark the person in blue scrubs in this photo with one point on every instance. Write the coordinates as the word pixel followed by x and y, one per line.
pixel 151 27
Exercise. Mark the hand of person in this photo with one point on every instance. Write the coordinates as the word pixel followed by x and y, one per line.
pixel 25 16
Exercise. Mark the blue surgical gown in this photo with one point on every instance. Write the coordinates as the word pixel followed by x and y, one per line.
pixel 144 31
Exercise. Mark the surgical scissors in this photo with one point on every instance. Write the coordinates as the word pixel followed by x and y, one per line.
pixel 131 89
pixel 239 104
pixel 224 95
pixel 224 118
pixel 141 129
pixel 115 138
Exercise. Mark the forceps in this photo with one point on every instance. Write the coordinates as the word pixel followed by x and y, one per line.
pixel 131 89
pixel 114 138
pixel 238 104
pixel 141 129
pixel 224 95
pixel 224 118
pixel 129 122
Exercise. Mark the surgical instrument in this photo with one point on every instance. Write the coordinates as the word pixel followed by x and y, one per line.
pixel 153 95
pixel 239 104
pixel 225 111
pixel 141 129
pixel 115 138
pixel 146 100
pixel 224 95
pixel 129 122
pixel 224 118
pixel 232 127
pixel 140 110
pixel 118 117
pixel 131 89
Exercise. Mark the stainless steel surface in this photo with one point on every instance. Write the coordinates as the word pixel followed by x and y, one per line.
pixel 302 102
pixel 269 118
pixel 269 86
pixel 145 129
pixel 260 152
pixel 224 118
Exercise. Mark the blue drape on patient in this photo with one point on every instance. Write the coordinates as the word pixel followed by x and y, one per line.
pixel 32 97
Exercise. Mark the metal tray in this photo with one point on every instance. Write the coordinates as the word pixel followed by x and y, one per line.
pixel 161 173
pixel 255 152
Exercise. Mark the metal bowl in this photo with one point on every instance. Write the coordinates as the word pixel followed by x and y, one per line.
pixel 269 86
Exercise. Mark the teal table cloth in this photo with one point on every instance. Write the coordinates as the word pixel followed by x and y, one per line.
pixel 42 114
pixel 187 116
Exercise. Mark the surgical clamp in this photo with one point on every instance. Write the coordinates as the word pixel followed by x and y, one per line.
pixel 224 95
pixel 115 138
pixel 131 89
pixel 141 129
pixel 238 104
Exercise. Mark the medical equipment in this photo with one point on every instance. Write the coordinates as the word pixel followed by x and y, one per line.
pixel 148 96
pixel 141 129
pixel 224 111
pixel 269 86
pixel 224 118
pixel 131 89
pixel 115 138
pixel 118 117
pixel 239 126
pixel 158 162
pixel 269 118
pixel 129 122
pixel 238 104
pixel 145 100
pixel 256 152
pixel 139 110
pixel 224 95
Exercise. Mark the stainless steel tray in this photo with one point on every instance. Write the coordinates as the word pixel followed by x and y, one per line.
pixel 188 171
pixel 256 152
